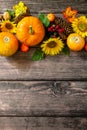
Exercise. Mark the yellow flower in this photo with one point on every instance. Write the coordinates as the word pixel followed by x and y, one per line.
pixel 8 26
pixel 20 8
pixel 79 25
pixel 52 46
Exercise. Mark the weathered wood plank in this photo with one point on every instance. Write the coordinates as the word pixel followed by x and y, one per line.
pixel 46 5
pixel 60 98
pixel 60 67
pixel 41 123
pixel 54 99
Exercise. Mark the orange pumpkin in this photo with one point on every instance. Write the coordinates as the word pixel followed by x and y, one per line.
pixel 51 17
pixel 75 42
pixel 30 30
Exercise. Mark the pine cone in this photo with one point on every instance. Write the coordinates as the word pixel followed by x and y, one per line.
pixel 62 36
pixel 64 24
pixel 21 16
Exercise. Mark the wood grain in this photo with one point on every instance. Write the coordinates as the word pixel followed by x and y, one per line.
pixel 41 123
pixel 50 94
pixel 55 6
pixel 42 98
pixel 60 67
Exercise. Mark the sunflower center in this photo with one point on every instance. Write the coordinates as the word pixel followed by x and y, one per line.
pixel 8 25
pixel 51 44
pixel 82 26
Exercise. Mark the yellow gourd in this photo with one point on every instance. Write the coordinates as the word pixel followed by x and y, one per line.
pixel 8 44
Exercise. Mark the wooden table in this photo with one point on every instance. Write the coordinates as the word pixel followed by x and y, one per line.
pixel 50 94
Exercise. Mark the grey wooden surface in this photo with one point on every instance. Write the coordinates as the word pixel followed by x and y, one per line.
pixel 44 95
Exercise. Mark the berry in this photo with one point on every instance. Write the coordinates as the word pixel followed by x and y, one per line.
pixel 57 27
pixel 61 30
pixel 49 29
pixel 85 47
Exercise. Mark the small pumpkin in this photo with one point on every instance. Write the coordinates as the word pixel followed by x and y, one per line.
pixel 51 17
pixel 24 48
pixel 8 44
pixel 30 30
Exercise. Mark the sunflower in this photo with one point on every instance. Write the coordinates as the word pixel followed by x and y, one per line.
pixel 52 46
pixel 79 25
pixel 8 26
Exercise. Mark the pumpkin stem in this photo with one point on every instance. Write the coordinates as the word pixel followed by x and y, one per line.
pixel 31 31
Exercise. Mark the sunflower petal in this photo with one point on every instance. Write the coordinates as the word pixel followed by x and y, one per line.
pixel 52 46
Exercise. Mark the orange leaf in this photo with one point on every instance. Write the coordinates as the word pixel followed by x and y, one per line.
pixel 69 14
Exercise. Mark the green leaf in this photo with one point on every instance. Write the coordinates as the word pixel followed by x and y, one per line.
pixel 11 12
pixel 44 19
pixel 66 51
pixel 38 55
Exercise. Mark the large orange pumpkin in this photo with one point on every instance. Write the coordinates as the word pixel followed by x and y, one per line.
pixel 30 31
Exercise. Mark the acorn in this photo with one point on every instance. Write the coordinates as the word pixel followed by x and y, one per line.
pixel 6 16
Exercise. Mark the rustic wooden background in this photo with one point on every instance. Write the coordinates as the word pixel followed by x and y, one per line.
pixel 50 94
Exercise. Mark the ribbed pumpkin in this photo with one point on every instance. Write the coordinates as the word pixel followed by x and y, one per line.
pixel 30 31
